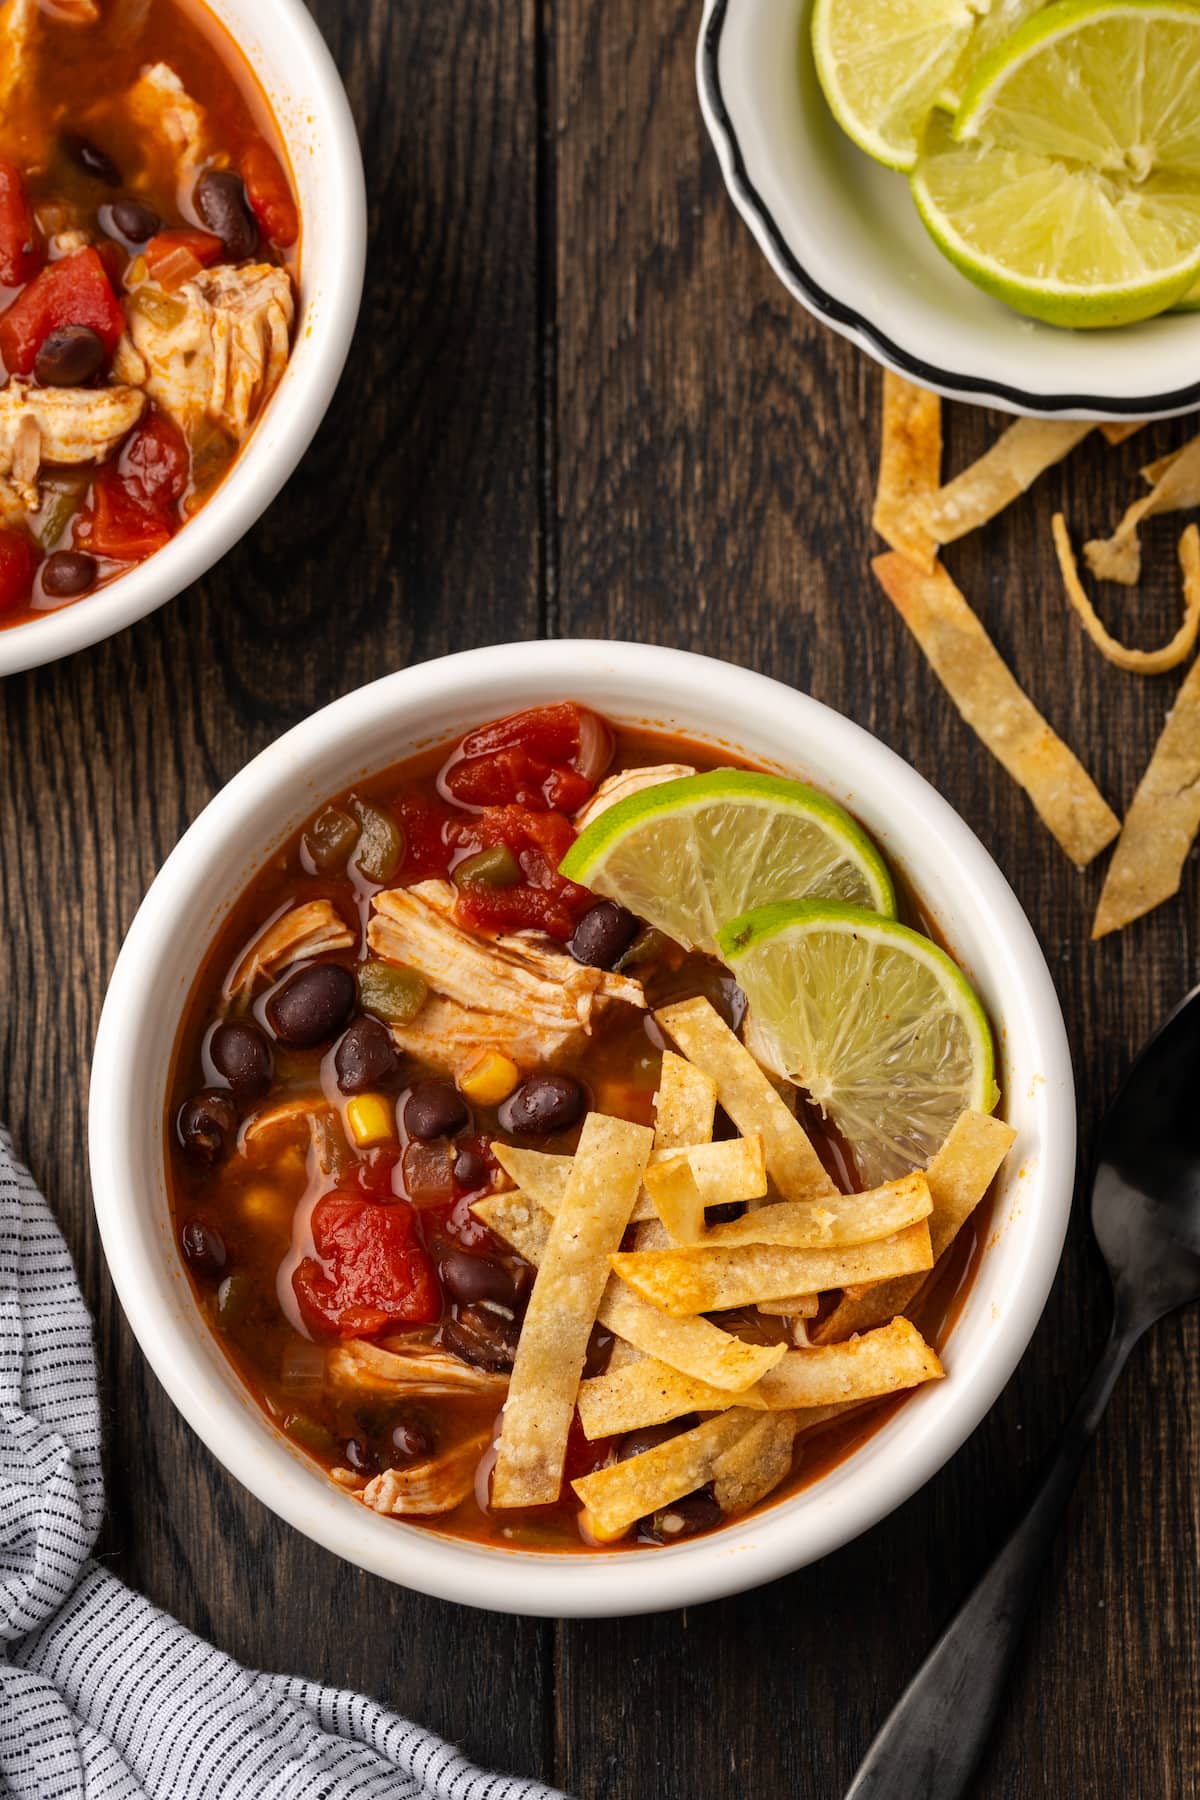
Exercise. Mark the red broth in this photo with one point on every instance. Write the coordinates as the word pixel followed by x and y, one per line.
pixel 256 1203
pixel 102 213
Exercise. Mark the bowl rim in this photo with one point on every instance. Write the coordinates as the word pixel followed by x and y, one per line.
pixel 847 320
pixel 295 411
pixel 774 1541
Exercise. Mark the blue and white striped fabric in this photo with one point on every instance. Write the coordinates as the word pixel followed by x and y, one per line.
pixel 103 1697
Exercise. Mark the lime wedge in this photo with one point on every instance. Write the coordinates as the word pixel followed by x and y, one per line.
pixel 884 63
pixel 877 1025
pixel 1070 185
pixel 998 22
pixel 689 855
pixel 1190 301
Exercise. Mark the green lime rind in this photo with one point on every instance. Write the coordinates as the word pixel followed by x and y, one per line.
pixel 881 97
pixel 689 854
pixel 873 1020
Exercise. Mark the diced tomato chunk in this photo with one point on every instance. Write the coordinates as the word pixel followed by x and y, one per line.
pixel 19 560
pixel 369 1272
pixel 173 257
pixel 432 832
pixel 270 196
pixel 542 901
pixel 75 291
pixel 133 510
pixel 20 255
pixel 549 757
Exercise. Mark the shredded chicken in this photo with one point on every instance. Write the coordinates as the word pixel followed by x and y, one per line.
pixel 436 1486
pixel 18 46
pixel 159 103
pixel 626 782
pixel 60 425
pixel 73 12
pixel 312 929
pixel 218 348
pixel 522 994
pixel 417 1370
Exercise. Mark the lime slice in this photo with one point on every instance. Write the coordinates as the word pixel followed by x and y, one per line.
pixel 877 1025
pixel 1070 186
pixel 883 64
pixel 689 855
pixel 1190 301
pixel 998 22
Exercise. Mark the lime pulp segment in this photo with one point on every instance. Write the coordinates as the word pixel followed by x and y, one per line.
pixel 878 1025
pixel 689 855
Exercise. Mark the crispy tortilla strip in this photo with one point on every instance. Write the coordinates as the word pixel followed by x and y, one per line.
pixel 728 1171
pixel 755 1464
pixel 648 1392
pixel 692 1345
pixel 685 1105
pixel 1014 462
pixel 1153 472
pixel 910 467
pixel 1115 431
pixel 693 1280
pixel 1164 815
pixel 1001 715
pixel 605 1178
pixel 1119 558
pixel 685 1182
pixel 959 1176
pixel 1138 662
pixel 792 1306
pixel 624 1492
pixel 748 1097
pixel 822 1224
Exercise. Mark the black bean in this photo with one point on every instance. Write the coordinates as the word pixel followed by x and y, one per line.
pixel 485 1339
pixel 725 1212
pixel 130 220
pixel 469 1278
pixel 636 1443
pixel 206 1123
pixel 359 1456
pixel 471 1173
pixel 434 1109
pixel 312 1005
pixel 93 161
pixel 203 1248
pixel 220 199
pixel 603 935
pixel 683 1518
pixel 241 1053
pixel 69 357
pixel 599 1351
pixel 365 1057
pixel 543 1105
pixel 409 1441
pixel 68 573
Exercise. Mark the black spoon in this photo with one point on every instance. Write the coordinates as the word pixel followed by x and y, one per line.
pixel 1146 1217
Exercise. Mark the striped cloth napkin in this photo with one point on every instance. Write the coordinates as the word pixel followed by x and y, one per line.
pixel 103 1697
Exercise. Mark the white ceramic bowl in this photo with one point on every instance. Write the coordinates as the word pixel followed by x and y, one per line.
pixel 289 56
pixel 843 235
pixel 727 707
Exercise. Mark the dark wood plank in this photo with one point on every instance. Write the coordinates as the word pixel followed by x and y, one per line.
pixel 715 456
pixel 364 564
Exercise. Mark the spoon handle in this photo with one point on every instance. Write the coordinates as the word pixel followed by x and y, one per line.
pixel 930 1744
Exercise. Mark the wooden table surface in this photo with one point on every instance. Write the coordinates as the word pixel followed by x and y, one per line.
pixel 579 403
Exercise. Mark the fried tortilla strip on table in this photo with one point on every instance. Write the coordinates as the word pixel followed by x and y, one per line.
pixel 1001 475
pixel 959 1176
pixel 645 1393
pixel 910 468
pixel 748 1097
pixel 1136 662
pixel 997 709
pixel 607 1173
pixel 692 1345
pixel 755 1463
pixel 697 1279
pixel 1163 818
pixel 617 1496
pixel 1119 558
pixel 1115 431
pixel 825 1224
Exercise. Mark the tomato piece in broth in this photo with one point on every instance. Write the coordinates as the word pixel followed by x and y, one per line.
pixel 548 758
pixel 75 291
pixel 19 560
pixel 270 196
pixel 134 508
pixel 370 1272
pixel 20 255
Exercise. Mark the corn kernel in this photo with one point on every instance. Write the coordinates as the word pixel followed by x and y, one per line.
pixel 491 1079
pixel 371 1119
pixel 264 1206
pixel 591 1528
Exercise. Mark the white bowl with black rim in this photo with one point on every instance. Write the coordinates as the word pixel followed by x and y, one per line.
pixel 291 62
pixel 637 686
pixel 842 234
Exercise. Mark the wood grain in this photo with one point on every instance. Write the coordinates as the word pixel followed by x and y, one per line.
pixel 579 403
